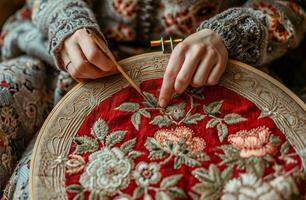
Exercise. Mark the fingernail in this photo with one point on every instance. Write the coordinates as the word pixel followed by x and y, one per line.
pixel 162 103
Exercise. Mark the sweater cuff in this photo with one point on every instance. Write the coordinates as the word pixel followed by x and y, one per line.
pixel 244 33
pixel 61 19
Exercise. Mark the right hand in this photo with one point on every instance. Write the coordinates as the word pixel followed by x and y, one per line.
pixel 83 59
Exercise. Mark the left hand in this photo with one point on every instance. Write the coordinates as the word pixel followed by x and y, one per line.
pixel 199 60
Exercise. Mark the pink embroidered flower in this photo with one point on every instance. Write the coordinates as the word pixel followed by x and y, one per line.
pixel 254 142
pixel 196 144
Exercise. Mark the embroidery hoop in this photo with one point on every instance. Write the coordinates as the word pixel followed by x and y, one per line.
pixel 57 131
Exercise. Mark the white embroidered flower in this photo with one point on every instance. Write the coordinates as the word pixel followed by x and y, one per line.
pixel 107 171
pixel 147 173
pixel 249 187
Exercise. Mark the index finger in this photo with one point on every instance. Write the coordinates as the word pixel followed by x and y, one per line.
pixel 167 89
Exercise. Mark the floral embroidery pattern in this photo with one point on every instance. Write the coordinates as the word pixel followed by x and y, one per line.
pixel 195 140
pixel 253 143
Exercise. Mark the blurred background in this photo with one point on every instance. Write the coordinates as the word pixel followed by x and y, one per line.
pixel 7 8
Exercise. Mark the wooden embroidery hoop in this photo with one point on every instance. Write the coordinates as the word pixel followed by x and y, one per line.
pixel 64 120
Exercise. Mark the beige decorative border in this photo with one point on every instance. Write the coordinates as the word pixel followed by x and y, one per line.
pixel 47 179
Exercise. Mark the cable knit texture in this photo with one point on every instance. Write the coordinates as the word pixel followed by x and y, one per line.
pixel 243 31
pixel 59 19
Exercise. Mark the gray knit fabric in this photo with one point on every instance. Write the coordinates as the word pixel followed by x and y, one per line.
pixel 243 31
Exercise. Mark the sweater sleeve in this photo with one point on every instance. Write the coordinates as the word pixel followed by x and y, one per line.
pixel 41 26
pixel 260 31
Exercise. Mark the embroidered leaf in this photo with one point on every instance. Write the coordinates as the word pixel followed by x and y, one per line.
pixel 212 123
pixel 128 145
pixel 145 113
pixel 274 140
pixel 86 144
pixel 213 108
pixel 178 161
pixel 135 154
pixel 197 92
pixel 161 121
pixel 151 98
pixel 190 162
pixel 208 191
pixel 136 120
pixel 170 181
pixel 79 196
pixel 75 188
pixel 233 118
pixel 157 154
pixel 222 131
pixel 227 173
pixel 129 107
pixel 115 137
pixel 200 156
pixel 215 173
pixel 202 175
pixel 257 167
pixel 152 145
pixel 162 196
pixel 100 129
pixel 193 119
pixel 138 192
pixel 177 192
pixel 285 148
pixel 177 111
pixel 93 196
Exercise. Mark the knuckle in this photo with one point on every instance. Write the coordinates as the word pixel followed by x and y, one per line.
pixel 181 47
pixel 182 80
pixel 93 55
pixel 170 74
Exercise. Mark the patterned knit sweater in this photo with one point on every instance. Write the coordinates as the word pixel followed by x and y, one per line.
pixel 254 31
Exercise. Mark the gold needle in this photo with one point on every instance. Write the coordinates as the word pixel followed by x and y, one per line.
pixel 108 53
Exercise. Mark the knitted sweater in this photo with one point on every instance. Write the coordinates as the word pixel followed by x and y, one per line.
pixel 254 31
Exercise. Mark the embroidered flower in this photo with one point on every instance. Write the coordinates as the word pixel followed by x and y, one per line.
pixel 196 144
pixel 248 186
pixel 146 174
pixel 75 164
pixel 254 142
pixel 108 171
pixel 176 111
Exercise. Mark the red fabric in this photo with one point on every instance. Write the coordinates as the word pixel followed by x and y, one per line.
pixel 120 120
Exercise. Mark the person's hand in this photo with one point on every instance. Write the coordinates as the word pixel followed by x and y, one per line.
pixel 199 60
pixel 83 59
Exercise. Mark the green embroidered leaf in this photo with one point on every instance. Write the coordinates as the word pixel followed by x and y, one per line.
pixel 75 188
pixel 161 121
pixel 157 154
pixel 274 140
pixel 138 192
pixel 152 145
pixel 227 173
pixel 79 196
pixel 200 156
pixel 233 118
pixel 128 145
pixel 162 196
pixel 93 196
pixel 135 154
pixel 177 192
pixel 136 120
pixel 86 144
pixel 100 129
pixel 212 123
pixel 193 119
pixel 213 108
pixel 145 113
pixel 208 191
pixel 222 131
pixel 285 148
pixel 129 107
pixel 257 167
pixel 170 181
pixel 177 111
pixel 202 175
pixel 190 162
pixel 215 173
pixel 151 98
pixel 115 137
pixel 178 161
